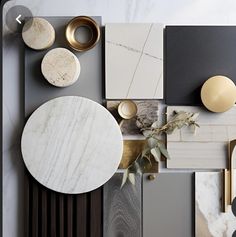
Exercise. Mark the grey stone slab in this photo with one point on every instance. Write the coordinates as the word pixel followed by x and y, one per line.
pixel 168 205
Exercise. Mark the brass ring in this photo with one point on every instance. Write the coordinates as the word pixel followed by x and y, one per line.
pixel 77 22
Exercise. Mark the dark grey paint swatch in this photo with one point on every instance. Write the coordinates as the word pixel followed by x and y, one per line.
pixel 192 55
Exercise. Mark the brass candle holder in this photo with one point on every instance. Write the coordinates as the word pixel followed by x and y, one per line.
pixel 82 21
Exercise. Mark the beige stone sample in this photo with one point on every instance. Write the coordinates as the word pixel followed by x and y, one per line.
pixel 38 34
pixel 60 67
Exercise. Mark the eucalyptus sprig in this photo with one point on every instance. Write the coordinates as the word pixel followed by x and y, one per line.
pixel 155 147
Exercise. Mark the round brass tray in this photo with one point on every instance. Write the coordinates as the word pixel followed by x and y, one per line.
pixel 82 21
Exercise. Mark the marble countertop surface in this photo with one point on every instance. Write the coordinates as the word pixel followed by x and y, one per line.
pixel 168 12
pixel 72 145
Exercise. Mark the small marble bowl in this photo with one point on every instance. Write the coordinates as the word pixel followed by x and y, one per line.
pixel 82 21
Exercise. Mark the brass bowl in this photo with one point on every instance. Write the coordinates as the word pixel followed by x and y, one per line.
pixel 82 21
pixel 127 109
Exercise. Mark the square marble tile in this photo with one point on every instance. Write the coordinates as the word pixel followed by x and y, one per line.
pixel 209 220
pixel 134 61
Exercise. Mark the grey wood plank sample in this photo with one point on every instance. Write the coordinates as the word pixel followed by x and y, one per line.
pixel 89 84
pixel 167 205
pixel 122 208
pixel 207 148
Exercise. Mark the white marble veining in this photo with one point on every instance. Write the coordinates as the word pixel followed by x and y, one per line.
pixel 134 61
pixel 209 220
pixel 72 145
pixel 190 12
pixel 60 67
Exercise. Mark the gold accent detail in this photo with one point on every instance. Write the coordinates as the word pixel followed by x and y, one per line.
pixel 151 177
pixel 131 150
pixel 218 94
pixel 228 179
pixel 127 109
pixel 77 22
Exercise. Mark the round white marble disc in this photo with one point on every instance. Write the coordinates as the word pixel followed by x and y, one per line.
pixel 60 67
pixel 38 33
pixel 72 145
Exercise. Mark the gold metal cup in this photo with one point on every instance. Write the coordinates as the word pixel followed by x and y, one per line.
pixel 82 21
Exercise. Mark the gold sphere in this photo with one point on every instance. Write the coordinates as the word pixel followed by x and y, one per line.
pixel 218 94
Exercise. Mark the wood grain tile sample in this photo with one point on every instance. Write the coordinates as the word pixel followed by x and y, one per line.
pixel 207 148
pixel 134 61
pixel 209 220
pixel 122 208
pixel 167 205
pixel 193 54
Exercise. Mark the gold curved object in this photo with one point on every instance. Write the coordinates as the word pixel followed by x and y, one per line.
pixel 151 177
pixel 218 94
pixel 82 21
pixel 127 109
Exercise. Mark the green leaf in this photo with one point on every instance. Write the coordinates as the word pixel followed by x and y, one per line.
pixel 147 133
pixel 164 151
pixel 132 178
pixel 156 154
pixel 155 124
pixel 148 158
pixel 194 116
pixel 152 142
pixel 181 115
pixel 125 177
pixel 197 125
pixel 145 151
pixel 136 168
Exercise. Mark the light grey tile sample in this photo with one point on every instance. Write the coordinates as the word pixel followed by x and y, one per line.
pixel 89 84
pixel 207 147
pixel 122 214
pixel 209 220
pixel 72 145
pixel 134 61
pixel 167 205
